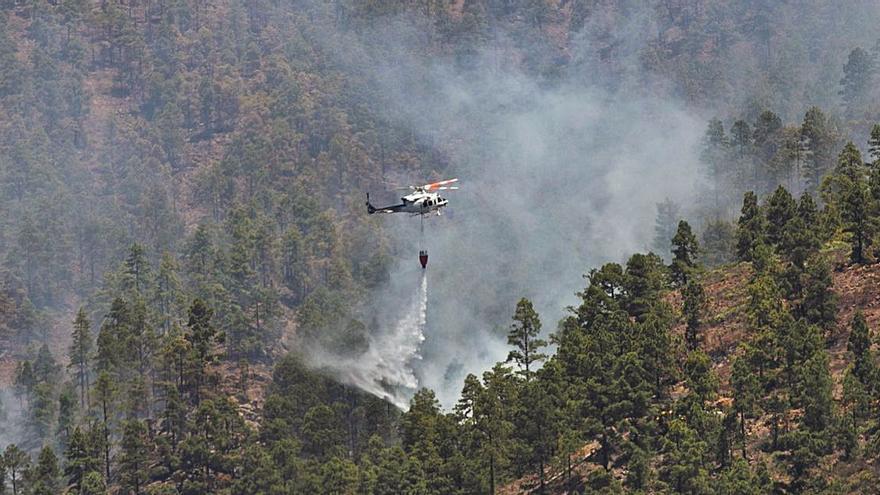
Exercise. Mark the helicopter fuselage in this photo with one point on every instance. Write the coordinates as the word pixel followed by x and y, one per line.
pixel 417 203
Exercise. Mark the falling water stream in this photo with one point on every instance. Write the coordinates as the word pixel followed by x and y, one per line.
pixel 385 369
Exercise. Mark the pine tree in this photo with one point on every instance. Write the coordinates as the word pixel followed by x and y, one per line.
pixel 858 74
pixel 874 186
pixel 201 335
pixel 819 137
pixel 105 392
pixel 133 456
pixel 41 415
pixel 751 228
pixel 167 292
pixel 766 135
pixel 819 304
pixel 420 426
pixel 807 209
pixel 24 381
pixel 46 369
pixel 765 302
pixel 80 354
pixel 17 463
pixel 321 433
pixel 81 458
pixel 777 406
pixel 874 144
pixel 816 397
pixel 200 332
pixel 741 138
pixel 746 393
pixel 685 250
pixel 718 241
pixel 644 278
pixel 466 410
pixel 857 211
pixel 797 341
pixel 112 337
pixel 486 426
pixel 799 238
pixel 713 156
pixel 139 343
pixel 653 343
pixel 200 254
pixel 536 425
pixel 683 460
pixel 293 263
pixel 859 345
pixel 845 435
pixel 603 296
pixel 699 375
pixel 93 484
pixel 398 473
pixel 788 161
pixel 799 243
pixel 523 336
pixel 46 473
pixel 665 225
pixel 262 475
pixel 856 397
pixel 781 208
pixel 136 269
pixel 67 412
pixel 694 306
pixel 741 479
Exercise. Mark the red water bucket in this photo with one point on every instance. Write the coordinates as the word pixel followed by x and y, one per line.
pixel 423 258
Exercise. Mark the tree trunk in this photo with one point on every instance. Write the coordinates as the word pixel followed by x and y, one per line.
pixel 492 474
pixel 106 440
pixel 568 468
pixel 542 473
pixel 605 453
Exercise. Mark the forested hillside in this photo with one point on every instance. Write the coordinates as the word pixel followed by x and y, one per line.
pixel 193 299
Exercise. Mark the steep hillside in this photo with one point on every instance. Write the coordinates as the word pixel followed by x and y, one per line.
pixel 193 299
pixel 726 330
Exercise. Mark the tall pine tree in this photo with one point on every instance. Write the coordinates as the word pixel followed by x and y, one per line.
pixel 523 336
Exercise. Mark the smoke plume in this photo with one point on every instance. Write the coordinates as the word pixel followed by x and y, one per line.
pixel 558 173
pixel 386 368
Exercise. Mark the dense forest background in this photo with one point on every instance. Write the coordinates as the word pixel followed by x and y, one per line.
pixel 193 300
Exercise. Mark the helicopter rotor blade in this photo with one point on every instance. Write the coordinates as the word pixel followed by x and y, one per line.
pixel 437 185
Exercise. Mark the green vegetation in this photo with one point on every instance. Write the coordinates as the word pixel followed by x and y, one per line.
pixel 176 186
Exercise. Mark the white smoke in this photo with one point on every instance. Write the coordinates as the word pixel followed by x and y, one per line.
pixel 385 369
pixel 556 177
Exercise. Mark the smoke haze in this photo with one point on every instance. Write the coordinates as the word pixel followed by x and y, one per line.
pixel 556 179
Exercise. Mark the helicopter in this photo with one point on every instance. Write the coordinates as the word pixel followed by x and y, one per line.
pixel 422 201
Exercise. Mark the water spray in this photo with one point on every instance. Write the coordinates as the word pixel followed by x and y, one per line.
pixel 423 253
pixel 385 368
